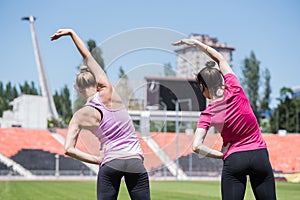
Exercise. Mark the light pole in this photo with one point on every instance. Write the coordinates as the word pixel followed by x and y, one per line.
pixel 45 89
pixel 176 102
pixel 277 119
pixel 56 165
pixel 165 132
pixel 297 120
pixel 165 110
pixel 286 118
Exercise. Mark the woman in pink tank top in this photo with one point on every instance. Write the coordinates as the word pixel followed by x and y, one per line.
pixel 244 151
pixel 106 117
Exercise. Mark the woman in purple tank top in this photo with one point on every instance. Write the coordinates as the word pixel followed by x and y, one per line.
pixel 244 151
pixel 107 118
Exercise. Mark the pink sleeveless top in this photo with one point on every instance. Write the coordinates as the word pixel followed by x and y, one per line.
pixel 116 132
pixel 233 118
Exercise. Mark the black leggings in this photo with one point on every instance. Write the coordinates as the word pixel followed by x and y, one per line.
pixel 134 173
pixel 254 163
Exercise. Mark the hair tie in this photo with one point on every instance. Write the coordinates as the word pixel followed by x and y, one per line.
pixel 84 69
pixel 219 92
pixel 210 64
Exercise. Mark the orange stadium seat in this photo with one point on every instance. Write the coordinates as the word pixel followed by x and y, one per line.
pixel 167 141
pixel 283 150
pixel 151 160
pixel 88 143
pixel 13 140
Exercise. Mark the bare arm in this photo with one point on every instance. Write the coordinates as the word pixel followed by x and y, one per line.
pixel 211 52
pixel 97 70
pixel 88 118
pixel 200 148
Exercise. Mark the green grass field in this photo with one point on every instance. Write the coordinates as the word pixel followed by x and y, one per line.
pixel 160 190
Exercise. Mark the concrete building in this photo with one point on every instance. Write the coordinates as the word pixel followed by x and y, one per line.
pixel 296 91
pixel 190 60
pixel 29 111
pixel 32 111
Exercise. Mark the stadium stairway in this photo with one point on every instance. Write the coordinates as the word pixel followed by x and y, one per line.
pixel 60 135
pixel 15 166
pixel 151 161
pixel 283 150
pixel 154 156
pixel 13 140
pixel 163 156
pixel 167 142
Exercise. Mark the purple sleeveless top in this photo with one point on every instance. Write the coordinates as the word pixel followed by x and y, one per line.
pixel 115 131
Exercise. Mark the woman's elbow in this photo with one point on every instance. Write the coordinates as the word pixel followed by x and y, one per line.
pixel 196 148
pixel 68 151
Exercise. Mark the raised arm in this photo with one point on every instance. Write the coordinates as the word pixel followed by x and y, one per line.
pixel 211 52
pixel 100 75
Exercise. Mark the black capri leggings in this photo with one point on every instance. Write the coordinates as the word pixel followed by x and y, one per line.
pixel 134 173
pixel 254 163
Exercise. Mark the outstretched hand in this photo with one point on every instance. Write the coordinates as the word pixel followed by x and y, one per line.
pixel 60 32
pixel 191 42
pixel 101 155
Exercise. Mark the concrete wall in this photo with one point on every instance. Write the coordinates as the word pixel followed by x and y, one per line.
pixel 29 111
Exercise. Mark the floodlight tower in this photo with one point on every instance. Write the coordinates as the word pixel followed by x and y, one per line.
pixel 45 88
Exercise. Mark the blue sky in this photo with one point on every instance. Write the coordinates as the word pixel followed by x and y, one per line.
pixel 269 28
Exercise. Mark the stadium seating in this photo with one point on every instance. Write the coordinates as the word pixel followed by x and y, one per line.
pixel 5 171
pixel 40 162
pixel 194 164
pixel 151 161
pixel 167 141
pixel 88 143
pixel 36 149
pixel 13 140
pixel 284 152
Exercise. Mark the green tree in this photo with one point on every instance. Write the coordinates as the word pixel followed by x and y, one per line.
pixel 1 90
pixel 8 93
pixel 63 104
pixel 265 110
pixel 11 92
pixel 96 53
pixel 264 105
pixel 3 103
pixel 123 87
pixel 168 70
pixel 27 88
pixel 250 81
pixel 286 114
pixel 122 73
pixel 79 102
